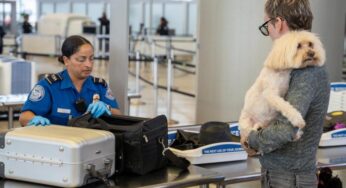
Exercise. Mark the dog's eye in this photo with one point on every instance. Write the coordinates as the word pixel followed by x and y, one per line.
pixel 311 44
pixel 299 46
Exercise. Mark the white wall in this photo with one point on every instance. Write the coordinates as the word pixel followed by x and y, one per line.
pixel 118 64
pixel 329 23
pixel 232 51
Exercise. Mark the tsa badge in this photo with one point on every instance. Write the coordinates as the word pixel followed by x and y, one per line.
pixel 109 94
pixel 37 93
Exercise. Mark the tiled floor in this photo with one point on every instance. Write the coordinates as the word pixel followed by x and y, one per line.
pixel 183 107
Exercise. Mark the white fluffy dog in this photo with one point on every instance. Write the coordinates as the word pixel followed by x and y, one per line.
pixel 263 101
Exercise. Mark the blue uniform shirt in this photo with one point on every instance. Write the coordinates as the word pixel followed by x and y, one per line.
pixel 57 100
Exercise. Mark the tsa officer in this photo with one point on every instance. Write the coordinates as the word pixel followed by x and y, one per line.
pixel 67 94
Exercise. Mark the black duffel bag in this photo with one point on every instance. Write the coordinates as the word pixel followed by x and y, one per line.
pixel 140 142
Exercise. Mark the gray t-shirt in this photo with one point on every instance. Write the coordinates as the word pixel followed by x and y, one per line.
pixel 309 93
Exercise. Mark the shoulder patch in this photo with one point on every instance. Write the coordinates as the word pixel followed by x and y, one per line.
pixel 37 93
pixel 51 78
pixel 100 81
pixel 109 94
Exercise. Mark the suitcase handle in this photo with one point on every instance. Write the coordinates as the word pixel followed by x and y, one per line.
pixel 101 174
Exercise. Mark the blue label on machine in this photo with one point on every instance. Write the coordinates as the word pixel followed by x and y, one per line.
pixel 224 148
pixel 339 134
pixel 338 87
pixel 171 137
pixel 338 160
pixel 235 129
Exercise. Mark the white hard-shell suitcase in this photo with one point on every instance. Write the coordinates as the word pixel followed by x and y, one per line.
pixel 56 155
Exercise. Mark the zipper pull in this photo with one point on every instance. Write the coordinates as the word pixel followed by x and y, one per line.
pixel 145 139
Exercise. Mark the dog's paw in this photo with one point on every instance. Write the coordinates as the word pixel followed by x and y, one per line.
pixel 298 134
pixel 243 139
pixel 244 133
pixel 298 122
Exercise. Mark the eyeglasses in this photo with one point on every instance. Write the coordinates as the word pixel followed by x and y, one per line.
pixel 264 27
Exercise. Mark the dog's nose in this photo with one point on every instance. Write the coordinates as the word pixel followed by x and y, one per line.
pixel 311 53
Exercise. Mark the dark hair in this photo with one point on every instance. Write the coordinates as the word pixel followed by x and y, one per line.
pixel 71 45
pixel 327 180
pixel 297 13
pixel 164 21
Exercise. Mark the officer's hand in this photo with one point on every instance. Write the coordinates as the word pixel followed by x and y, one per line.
pixel 98 108
pixel 39 120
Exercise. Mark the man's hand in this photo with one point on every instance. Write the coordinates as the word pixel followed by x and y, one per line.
pixel 250 152
pixel 245 145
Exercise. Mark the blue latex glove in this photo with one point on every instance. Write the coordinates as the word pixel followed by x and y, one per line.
pixel 98 108
pixel 39 120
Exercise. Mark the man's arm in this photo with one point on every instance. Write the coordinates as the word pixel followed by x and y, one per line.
pixel 280 131
pixel 25 117
pixel 115 111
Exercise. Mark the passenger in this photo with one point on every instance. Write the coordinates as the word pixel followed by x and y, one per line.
pixel 104 24
pixel 65 95
pixel 285 162
pixel 104 30
pixel 163 29
pixel 27 27
pixel 2 34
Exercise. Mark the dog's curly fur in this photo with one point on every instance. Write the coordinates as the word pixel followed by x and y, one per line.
pixel 294 50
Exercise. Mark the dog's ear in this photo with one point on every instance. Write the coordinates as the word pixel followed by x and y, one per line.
pixel 276 58
pixel 318 46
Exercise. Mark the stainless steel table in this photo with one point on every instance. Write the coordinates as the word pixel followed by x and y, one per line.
pixel 333 157
pixel 250 169
pixel 234 171
pixel 237 171
pixel 169 177
pixel 10 102
pixel 220 174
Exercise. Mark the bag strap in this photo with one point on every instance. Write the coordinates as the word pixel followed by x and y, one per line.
pixel 87 121
pixel 74 122
pixel 102 124
pixel 175 160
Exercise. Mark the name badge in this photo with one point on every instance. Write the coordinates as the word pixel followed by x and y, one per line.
pixel 64 111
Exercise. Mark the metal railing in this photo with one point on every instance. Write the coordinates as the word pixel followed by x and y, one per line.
pixel 169 59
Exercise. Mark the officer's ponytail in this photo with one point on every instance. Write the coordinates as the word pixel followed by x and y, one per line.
pixel 71 45
pixel 61 59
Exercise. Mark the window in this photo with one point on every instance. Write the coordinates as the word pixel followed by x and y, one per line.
pixel 175 14
pixel 79 8
pixel 62 7
pixel 47 8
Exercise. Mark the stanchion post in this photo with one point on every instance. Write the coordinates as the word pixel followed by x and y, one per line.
pixel 137 72
pixel 10 117
pixel 103 45
pixel 155 78
pixel 155 84
pixel 97 46
pixel 169 54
